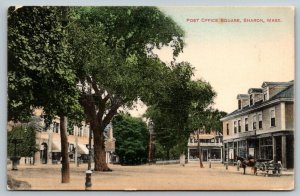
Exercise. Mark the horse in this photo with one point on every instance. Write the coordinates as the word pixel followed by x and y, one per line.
pixel 250 162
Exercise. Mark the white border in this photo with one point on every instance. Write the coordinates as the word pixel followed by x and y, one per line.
pixel 3 83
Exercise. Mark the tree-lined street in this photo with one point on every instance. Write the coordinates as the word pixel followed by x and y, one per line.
pixel 85 69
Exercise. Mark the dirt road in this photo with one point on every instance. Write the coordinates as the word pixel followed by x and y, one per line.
pixel 153 177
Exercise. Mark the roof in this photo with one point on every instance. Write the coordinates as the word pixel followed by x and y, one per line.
pixel 283 94
pixel 255 90
pixel 286 93
pixel 242 96
pixel 277 83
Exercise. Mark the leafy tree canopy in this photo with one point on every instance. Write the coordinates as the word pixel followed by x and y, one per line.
pixel 113 52
pixel 171 112
pixel 39 59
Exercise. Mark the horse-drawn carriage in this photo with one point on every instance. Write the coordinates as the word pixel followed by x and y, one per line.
pixel 268 167
pixel 263 165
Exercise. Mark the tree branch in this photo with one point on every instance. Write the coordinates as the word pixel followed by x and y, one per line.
pixel 113 110
pixel 88 106
pixel 94 86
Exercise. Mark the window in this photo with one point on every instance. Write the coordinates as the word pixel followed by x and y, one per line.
pixel 240 104
pixel 254 122
pixel 272 118
pixel 55 127
pixel 227 128
pixel 266 148
pixel 80 132
pixel 265 96
pixel 239 124
pixel 246 124
pixel 260 121
pixel 251 100
pixel 235 126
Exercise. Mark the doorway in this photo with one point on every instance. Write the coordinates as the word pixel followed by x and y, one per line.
pixel 205 154
pixel 43 153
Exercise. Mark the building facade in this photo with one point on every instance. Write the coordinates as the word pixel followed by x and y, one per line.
pixel 263 125
pixel 211 146
pixel 49 143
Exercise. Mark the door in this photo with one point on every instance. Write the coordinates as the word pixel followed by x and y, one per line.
pixel 205 154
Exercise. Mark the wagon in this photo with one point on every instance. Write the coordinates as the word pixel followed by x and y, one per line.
pixel 268 167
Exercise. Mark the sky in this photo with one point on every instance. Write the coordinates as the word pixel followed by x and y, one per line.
pixel 236 56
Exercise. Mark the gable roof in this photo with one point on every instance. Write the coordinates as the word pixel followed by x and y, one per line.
pixel 242 96
pixel 255 90
pixel 277 83
pixel 286 93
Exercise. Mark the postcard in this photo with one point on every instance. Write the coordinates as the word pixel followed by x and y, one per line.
pixel 150 98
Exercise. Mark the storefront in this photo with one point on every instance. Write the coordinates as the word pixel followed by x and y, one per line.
pixel 213 154
pixel 277 147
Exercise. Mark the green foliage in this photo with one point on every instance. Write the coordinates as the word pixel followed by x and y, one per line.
pixel 131 139
pixel 113 48
pixel 171 112
pixel 27 144
pixel 39 59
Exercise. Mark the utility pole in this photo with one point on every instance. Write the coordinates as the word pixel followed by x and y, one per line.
pixel 88 178
pixel 76 145
pixel 150 150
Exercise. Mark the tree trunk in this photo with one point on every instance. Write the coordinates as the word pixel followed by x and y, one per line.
pixel 65 171
pixel 199 150
pixel 99 151
pixel 168 154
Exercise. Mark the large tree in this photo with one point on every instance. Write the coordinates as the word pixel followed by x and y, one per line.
pixel 115 63
pixel 171 110
pixel 39 68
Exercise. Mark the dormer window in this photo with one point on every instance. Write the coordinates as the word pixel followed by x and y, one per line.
pixel 265 96
pixel 251 100
pixel 240 104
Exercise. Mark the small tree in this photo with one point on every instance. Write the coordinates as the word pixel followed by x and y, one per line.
pixel 131 139
pixel 26 145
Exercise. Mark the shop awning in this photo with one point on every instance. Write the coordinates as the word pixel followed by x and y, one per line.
pixel 56 147
pixel 82 149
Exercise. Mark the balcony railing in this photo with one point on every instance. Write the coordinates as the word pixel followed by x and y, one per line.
pixel 205 144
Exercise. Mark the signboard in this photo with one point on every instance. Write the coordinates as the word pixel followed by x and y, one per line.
pixel 110 145
pixel 251 152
